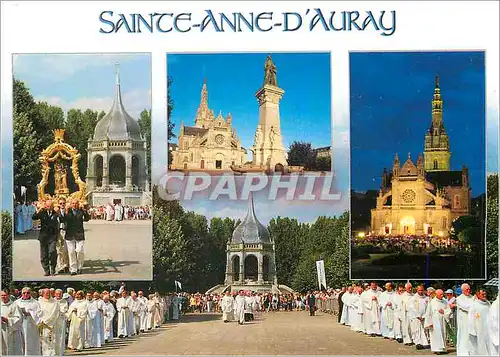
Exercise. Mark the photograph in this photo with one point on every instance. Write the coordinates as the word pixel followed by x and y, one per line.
pixel 418 193
pixel 81 165
pixel 250 113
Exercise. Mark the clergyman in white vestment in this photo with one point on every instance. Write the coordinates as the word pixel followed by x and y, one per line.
pixel 478 325
pixel 12 321
pixel 32 316
pixel 437 316
pixel 463 303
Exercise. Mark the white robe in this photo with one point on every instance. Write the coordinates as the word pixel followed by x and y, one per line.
pixel 60 332
pixel 77 315
pixel 109 213
pixel 398 316
pixel 248 305
pixel 387 314
pixel 371 314
pixel 150 314
pixel 144 312
pixel 123 307
pixel 227 305
pixel 89 324
pixel 464 303
pixel 493 332
pixel 356 312
pixel 346 300
pixel 478 328
pixel 12 332
pixel 49 326
pixel 30 326
pixel 98 338
pixel 109 313
pixel 436 323
pixel 416 313
pixel 136 308
pixel 405 317
pixel 239 308
pixel 118 213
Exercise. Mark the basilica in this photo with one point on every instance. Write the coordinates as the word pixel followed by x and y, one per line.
pixel 211 144
pixel 423 198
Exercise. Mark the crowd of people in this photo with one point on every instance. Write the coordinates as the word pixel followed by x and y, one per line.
pixel 426 318
pixel 408 243
pixel 119 212
pixel 52 321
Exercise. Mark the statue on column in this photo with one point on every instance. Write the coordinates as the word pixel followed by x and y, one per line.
pixel 272 136
pixel 61 178
pixel 258 136
pixel 270 72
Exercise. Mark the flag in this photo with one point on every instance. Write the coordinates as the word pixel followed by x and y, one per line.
pixel 178 284
pixel 23 191
pixel 320 268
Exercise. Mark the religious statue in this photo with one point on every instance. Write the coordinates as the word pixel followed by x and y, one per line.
pixel 60 176
pixel 270 72
pixel 258 136
pixel 272 135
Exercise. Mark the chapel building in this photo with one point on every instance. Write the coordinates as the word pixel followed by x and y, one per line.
pixel 211 144
pixel 426 197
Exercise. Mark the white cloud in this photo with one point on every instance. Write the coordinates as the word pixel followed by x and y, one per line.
pixel 134 101
pixel 59 66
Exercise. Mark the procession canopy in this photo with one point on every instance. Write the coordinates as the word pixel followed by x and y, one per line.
pixel 59 154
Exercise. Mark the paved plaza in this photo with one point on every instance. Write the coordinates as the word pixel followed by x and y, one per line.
pixel 113 251
pixel 278 333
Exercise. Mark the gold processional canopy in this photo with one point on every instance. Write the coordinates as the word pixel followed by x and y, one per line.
pixel 59 153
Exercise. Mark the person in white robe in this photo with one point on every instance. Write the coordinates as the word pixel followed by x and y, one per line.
pixel 136 309
pixel 371 314
pixel 12 323
pixel 463 304
pixel 493 331
pixel 387 314
pixel 109 212
pixel 248 307
pixel 144 310
pixel 32 314
pixel 398 318
pixel 416 314
pixel 227 305
pixel 158 313
pixel 346 300
pixel 239 308
pixel 48 325
pixel 108 313
pixel 77 315
pixel 437 317
pixel 20 219
pixel 355 309
pixel 97 306
pixel 478 325
pixel 404 314
pixel 123 309
pixel 118 212
pixel 60 332
pixel 175 308
pixel 151 312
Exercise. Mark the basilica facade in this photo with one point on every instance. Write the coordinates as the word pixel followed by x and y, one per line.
pixel 211 144
pixel 423 198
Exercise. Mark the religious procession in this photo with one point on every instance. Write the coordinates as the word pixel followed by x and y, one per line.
pixel 52 322
pixel 118 212
pixel 425 318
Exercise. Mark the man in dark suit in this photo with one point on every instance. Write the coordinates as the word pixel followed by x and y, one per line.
pixel 311 301
pixel 75 235
pixel 49 231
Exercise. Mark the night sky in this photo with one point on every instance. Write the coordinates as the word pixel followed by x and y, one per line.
pixel 391 95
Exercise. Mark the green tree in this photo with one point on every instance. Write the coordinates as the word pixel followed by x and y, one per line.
pixel 171 258
pixel 300 154
pixel 79 129
pixel 323 163
pixel 170 107
pixel 25 151
pixel 289 237
pixel 6 249
pixel 52 116
pixel 220 231
pixel 171 208
pixel 145 125
pixel 492 226
pixel 338 267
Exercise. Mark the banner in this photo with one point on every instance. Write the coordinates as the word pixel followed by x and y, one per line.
pixel 320 268
pixel 178 284
pixel 23 191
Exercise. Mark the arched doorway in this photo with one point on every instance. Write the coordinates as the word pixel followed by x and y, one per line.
pixel 235 268
pixel 202 164
pixel 98 169
pixel 135 170
pixel 251 267
pixel 219 161
pixel 266 266
pixel 407 225
pixel 117 170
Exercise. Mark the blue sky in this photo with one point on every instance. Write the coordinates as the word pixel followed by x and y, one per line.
pixel 76 81
pixel 390 104
pixel 232 81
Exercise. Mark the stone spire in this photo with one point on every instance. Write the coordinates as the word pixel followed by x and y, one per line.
pixel 250 230
pixel 203 114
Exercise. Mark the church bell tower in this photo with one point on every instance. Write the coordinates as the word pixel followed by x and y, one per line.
pixel 437 145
